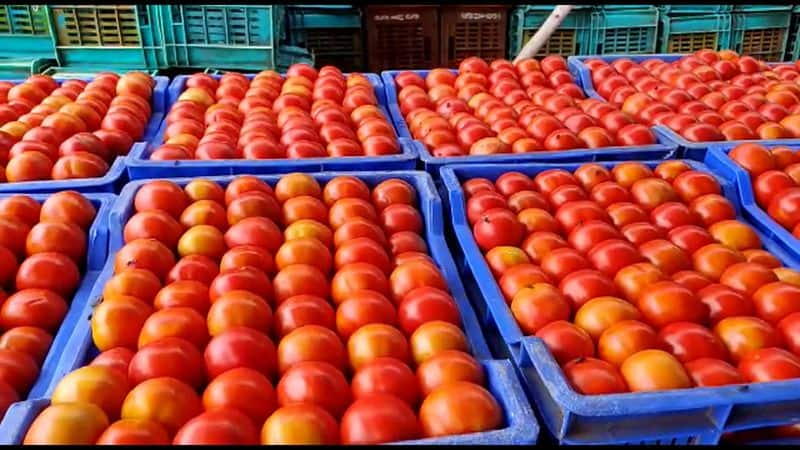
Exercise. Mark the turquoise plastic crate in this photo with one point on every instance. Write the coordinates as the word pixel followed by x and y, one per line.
pixel 761 7
pixel 624 30
pixel 761 34
pixel 792 52
pixel 13 68
pixel 695 9
pixel 242 37
pixel 573 36
pixel 107 37
pixel 692 32
pixel 334 33
pixel 25 32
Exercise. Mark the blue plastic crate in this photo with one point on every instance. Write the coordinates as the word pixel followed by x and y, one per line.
pixel 691 32
pixel 761 33
pixel 245 37
pixel 583 76
pixel 117 176
pixel 697 150
pixel 628 29
pixel 664 149
pixel 697 416
pixel 520 423
pixel 108 37
pixel 573 36
pixel 140 166
pixel 96 253
pixel 718 160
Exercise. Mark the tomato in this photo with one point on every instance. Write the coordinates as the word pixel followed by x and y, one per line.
pixel 118 321
pixel 623 339
pixel 713 259
pixel 378 418
pixel 258 231
pixel 583 285
pixel 300 423
pixel 667 302
pixel 156 224
pixel 598 314
pixel 709 372
pixel 357 276
pixel 743 335
pixel 775 300
pixel 67 423
pixel 134 431
pixel 652 192
pixel 566 341
pixel 161 195
pixel 590 376
pixel 360 250
pixel 315 382
pixel 248 279
pixel 769 183
pixel 13 233
pixel 148 254
pixel 626 213
pixel 361 308
pixel 671 215
pixel 192 294
pixel 634 280
pixel 101 386
pixel 574 213
pixel 590 234
pixel 50 271
pixel 65 238
pixel 690 238
pixel 440 414
pixel 769 364
pixel 243 389
pixel 612 255
pixel 219 426
pixel 179 322
pixel 240 347
pixel 22 207
pixel 168 357
pixel 560 262
pixel 301 310
pixel 32 341
pixel 654 370
pixel 191 268
pixel 688 342
pixel 538 305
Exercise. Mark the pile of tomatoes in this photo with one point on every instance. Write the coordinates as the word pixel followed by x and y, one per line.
pixel 638 279
pixel 74 130
pixel 706 96
pixel 42 249
pixel 310 114
pixel 504 108
pixel 775 174
pixel 243 311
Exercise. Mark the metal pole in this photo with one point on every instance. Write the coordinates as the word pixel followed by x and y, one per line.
pixel 550 25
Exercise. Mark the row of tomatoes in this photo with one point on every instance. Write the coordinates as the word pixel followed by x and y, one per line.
pixel 301 284
pixel 70 131
pixel 42 248
pixel 775 174
pixel 310 114
pixel 638 279
pixel 705 96
pixel 509 108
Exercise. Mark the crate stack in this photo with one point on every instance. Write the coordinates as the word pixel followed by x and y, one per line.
pixel 688 28
pixel 761 31
pixel 25 44
pixel 333 33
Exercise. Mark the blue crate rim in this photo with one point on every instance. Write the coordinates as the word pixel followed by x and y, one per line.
pixel 643 402
pixel 663 149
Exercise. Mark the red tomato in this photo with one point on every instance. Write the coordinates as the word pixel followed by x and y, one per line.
pixel 218 427
pixel 709 372
pixel 378 418
pixel 440 414
pixel 625 338
pixel 566 341
pixel 300 423
pixel 387 376
pixel 769 364
pixel 243 389
pixel 168 357
pixel 315 382
pixel 240 347
pixel 590 376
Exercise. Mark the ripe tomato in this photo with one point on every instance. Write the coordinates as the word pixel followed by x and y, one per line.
pixel 623 339
pixel 301 310
pixel 240 347
pixel 315 382
pixel 362 308
pixel 378 418
pixel 654 370
pixel 536 306
pixel 118 321
pixel 50 271
pixel 440 415
pixel 634 280
pixel 566 341
pixel 310 343
pixel 32 341
pixel 102 386
pixel 497 227
pixel 709 372
pixel 583 285
pixel 590 376
pixel 387 376
pixel 689 341
pixel 67 423
pixel 769 364
pixel 65 238
pixel 598 314
pixel 166 401
pixel 248 279
pixel 354 277
pixel 667 302
pixel 743 334
pixel 192 294
pixel 217 427
pixel 300 423
pixel 134 432
pixel 190 268
pixel 168 357
pixel 179 322
pixel 776 300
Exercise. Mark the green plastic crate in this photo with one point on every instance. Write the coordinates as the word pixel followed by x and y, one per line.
pixel 334 33
pixel 107 37
pixel 25 32
pixel 573 36
pixel 241 37
pixel 760 8
pixel 792 52
pixel 762 35
pixel 624 30
pixel 692 32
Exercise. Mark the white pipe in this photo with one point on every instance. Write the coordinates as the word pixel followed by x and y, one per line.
pixel 550 25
